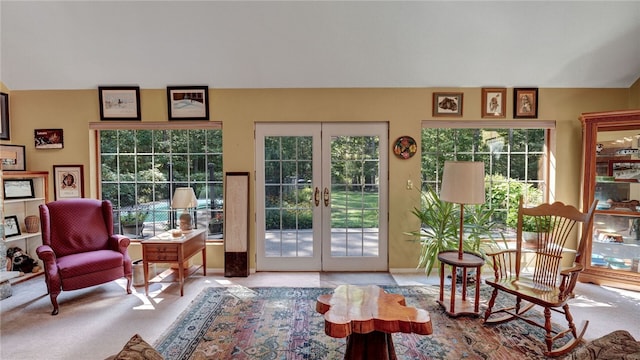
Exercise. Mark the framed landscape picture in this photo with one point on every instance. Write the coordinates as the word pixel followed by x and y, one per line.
pixel 447 104
pixel 525 103
pixel 119 102
pixel 12 157
pixel 494 102
pixel 188 102
pixel 18 189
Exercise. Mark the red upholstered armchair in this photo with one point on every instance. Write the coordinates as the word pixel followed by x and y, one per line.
pixel 79 247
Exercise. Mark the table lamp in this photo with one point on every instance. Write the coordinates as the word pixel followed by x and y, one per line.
pixel 184 198
pixel 463 183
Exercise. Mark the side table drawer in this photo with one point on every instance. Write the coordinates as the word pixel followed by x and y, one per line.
pixel 160 253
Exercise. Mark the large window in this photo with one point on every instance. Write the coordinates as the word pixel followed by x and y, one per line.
pixel 140 168
pixel 516 158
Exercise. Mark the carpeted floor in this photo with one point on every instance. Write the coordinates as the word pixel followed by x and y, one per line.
pixel 281 323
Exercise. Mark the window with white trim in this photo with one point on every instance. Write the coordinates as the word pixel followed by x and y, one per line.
pixel 141 165
pixel 516 157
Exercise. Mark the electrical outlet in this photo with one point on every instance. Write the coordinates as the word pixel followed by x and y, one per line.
pixel 409 185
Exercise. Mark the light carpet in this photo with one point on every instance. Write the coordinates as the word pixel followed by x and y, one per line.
pixel 281 323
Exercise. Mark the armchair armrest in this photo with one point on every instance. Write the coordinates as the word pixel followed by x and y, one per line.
pixel 48 257
pixel 119 243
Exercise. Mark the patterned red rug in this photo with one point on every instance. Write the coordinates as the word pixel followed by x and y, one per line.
pixel 281 323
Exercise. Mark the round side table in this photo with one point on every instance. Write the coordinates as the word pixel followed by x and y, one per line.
pixel 460 306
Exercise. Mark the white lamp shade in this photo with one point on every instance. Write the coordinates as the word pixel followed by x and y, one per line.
pixel 184 198
pixel 463 182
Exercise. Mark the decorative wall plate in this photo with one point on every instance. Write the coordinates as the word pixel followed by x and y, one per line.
pixel 405 147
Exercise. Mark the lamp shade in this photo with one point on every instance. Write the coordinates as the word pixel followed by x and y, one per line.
pixel 463 182
pixel 184 198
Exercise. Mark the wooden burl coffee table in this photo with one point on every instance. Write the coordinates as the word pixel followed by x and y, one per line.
pixel 367 316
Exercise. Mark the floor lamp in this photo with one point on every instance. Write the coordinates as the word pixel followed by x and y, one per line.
pixel 463 183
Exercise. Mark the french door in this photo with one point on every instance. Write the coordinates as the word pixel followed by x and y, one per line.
pixel 321 197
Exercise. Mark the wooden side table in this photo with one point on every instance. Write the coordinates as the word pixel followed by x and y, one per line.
pixel 367 316
pixel 164 248
pixel 450 304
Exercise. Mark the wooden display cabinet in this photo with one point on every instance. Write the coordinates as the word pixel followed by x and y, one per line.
pixel 611 174
pixel 21 207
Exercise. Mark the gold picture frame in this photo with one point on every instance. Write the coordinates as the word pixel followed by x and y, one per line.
pixel 494 102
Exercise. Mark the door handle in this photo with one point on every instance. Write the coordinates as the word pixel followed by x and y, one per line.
pixel 326 197
pixel 316 196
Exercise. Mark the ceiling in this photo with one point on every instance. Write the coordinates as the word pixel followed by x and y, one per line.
pixel 319 44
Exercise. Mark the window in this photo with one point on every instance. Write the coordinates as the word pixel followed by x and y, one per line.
pixel 516 157
pixel 141 166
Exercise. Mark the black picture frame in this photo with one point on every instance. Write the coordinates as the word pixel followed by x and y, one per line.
pixel 119 102
pixel 5 127
pixel 188 102
pixel 11 226
pixel 525 103
pixel 13 157
pixel 18 189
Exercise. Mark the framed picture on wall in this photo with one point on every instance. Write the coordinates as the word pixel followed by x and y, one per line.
pixel 48 138
pixel 119 102
pixel 525 103
pixel 4 116
pixel 188 102
pixel 494 102
pixel 447 104
pixel 68 181
pixel 12 157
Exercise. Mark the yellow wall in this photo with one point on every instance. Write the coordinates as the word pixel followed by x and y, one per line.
pixel 239 109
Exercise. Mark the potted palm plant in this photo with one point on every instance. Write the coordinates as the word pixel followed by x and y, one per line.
pixel 440 223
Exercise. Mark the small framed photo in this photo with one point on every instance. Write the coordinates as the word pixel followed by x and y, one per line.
pixel 4 117
pixel 48 138
pixel 188 102
pixel 68 181
pixel 12 157
pixel 525 103
pixel 18 189
pixel 494 102
pixel 447 104
pixel 11 226
pixel 119 102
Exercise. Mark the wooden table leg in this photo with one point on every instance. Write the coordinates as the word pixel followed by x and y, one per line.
pixel 374 345
pixel 441 282
pixel 452 308
pixel 464 283
pixel 476 307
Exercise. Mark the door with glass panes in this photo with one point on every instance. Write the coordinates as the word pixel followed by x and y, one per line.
pixel 321 197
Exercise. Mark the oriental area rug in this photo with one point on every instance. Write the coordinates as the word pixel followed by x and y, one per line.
pixel 282 323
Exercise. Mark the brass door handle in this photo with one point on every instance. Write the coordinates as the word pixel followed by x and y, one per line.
pixel 326 197
pixel 316 196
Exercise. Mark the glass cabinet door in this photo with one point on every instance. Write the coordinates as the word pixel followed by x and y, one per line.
pixel 616 230
pixel 612 176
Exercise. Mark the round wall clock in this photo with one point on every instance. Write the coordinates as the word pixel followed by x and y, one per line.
pixel 405 147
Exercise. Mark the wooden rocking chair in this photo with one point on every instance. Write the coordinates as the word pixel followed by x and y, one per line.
pixel 547 286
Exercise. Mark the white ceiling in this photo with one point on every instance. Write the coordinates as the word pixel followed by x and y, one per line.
pixel 315 44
